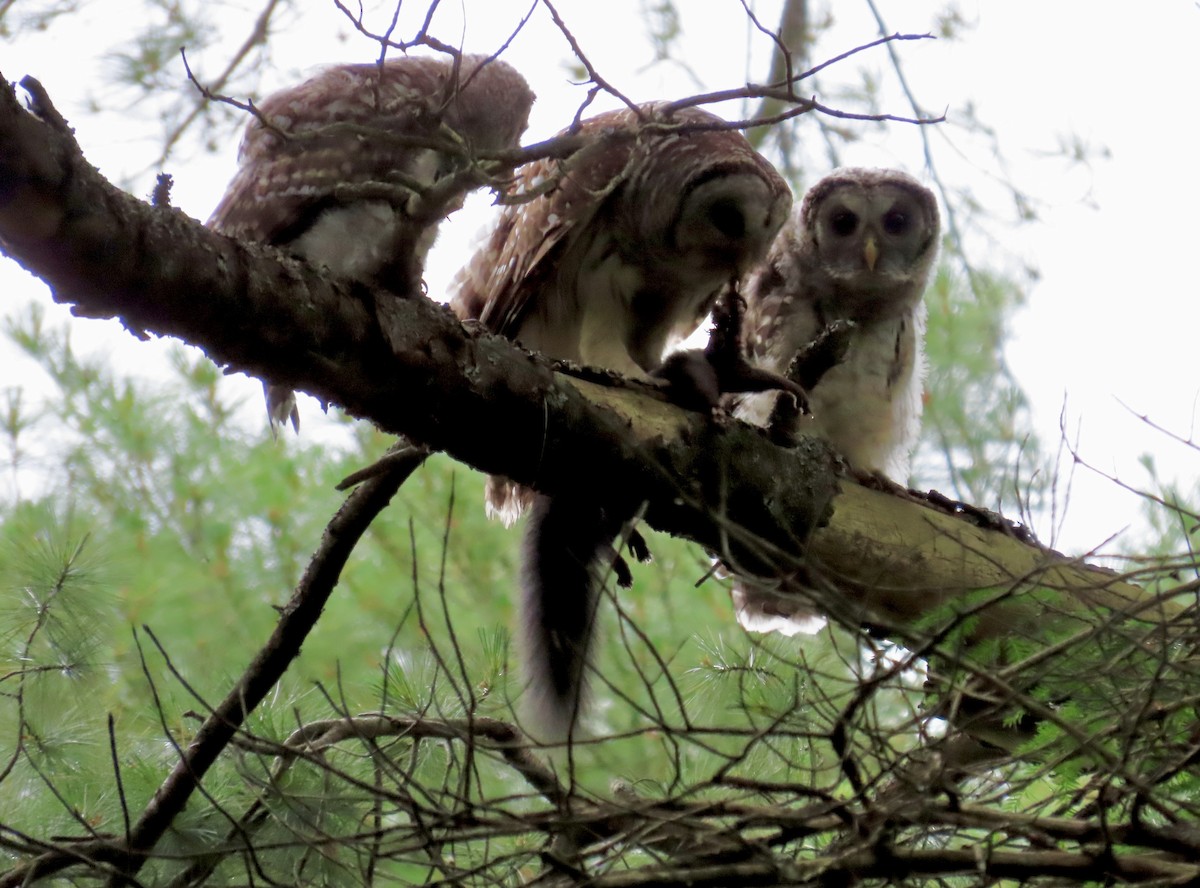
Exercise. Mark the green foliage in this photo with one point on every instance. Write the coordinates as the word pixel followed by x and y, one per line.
pixel 147 61
pixel 147 569
pixel 16 20
pixel 664 28
pixel 976 429
pixel 1173 518
pixel 55 610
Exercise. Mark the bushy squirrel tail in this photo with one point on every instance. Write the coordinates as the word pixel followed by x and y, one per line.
pixel 568 543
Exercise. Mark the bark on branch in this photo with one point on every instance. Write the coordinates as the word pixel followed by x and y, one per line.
pixel 410 367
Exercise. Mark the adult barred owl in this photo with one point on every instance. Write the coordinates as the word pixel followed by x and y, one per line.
pixel 619 252
pixel 624 254
pixel 859 249
pixel 340 169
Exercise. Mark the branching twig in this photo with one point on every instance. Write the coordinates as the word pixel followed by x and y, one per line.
pixel 257 36
pixel 594 76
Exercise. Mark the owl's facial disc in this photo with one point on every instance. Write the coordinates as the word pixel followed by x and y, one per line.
pixel 872 236
pixel 729 221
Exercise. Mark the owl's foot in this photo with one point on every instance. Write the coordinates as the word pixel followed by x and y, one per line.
pixel 637 545
pixel 735 374
pixel 697 378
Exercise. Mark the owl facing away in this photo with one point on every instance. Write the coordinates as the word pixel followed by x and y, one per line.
pixel 860 249
pixel 341 169
pixel 626 244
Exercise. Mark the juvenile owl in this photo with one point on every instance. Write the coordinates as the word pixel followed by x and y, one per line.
pixel 860 249
pixel 620 255
pixel 339 169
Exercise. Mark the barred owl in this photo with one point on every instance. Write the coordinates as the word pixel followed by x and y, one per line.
pixel 338 170
pixel 860 249
pixel 618 254
pixel 625 254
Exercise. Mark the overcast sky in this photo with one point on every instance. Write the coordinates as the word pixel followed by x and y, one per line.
pixel 1112 320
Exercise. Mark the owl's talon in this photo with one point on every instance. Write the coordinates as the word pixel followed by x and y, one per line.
pixel 636 543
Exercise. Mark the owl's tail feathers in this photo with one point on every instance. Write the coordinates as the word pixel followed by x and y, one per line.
pixel 281 407
pixel 506 500
pixel 760 610
pixel 567 549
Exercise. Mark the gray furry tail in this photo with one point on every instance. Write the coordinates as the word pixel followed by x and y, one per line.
pixel 566 541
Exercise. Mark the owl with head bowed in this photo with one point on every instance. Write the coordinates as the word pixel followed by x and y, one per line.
pixel 607 259
pixel 626 245
pixel 860 249
pixel 354 168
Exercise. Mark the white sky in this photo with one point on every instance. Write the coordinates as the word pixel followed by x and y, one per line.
pixel 1113 318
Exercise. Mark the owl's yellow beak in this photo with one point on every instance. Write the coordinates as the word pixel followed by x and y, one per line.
pixel 870 252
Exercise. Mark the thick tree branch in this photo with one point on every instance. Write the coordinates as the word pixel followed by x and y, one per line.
pixel 881 559
pixel 409 366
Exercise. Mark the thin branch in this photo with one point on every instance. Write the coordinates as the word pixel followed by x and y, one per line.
pixel 594 75
pixel 258 35
pixel 297 620
pixel 791 44
pixel 116 763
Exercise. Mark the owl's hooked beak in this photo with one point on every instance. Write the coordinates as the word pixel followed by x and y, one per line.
pixel 870 252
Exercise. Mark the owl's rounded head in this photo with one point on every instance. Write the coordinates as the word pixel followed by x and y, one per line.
pixel 874 233
pixel 698 200
pixel 730 220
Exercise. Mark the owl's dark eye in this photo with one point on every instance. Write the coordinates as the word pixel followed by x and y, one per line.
pixel 843 223
pixel 895 222
pixel 726 216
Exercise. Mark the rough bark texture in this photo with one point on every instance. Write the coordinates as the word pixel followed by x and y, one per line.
pixel 410 367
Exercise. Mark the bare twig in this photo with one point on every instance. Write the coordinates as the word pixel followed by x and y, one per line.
pixel 259 32
pixel 791 46
pixel 594 76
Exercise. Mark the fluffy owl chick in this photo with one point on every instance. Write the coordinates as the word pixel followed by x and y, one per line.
pixel 340 170
pixel 859 249
pixel 620 255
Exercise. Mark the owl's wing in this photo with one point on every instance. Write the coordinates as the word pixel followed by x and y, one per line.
pixel 276 198
pixel 552 206
pixel 781 317
pixel 908 391
pixel 517 260
pixel 354 132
